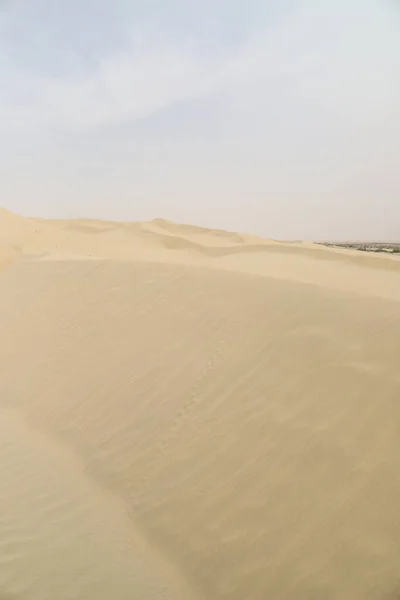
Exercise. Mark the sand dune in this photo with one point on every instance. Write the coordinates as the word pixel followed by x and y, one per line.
pixel 195 414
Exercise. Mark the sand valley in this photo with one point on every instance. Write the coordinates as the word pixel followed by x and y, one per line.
pixel 196 414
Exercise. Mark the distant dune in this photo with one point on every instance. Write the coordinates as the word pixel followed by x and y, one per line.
pixel 196 414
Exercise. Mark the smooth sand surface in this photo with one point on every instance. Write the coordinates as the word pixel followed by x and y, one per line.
pixel 196 414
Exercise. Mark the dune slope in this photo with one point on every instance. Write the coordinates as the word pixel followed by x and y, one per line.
pixel 215 416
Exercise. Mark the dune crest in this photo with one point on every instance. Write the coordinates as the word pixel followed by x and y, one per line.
pixel 195 414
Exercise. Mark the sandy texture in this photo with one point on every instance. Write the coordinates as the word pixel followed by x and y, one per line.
pixel 189 413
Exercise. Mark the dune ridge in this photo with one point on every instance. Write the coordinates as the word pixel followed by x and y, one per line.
pixel 196 414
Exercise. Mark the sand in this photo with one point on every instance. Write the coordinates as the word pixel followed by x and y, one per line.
pixel 196 414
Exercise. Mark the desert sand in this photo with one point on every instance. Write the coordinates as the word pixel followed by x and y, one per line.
pixel 196 414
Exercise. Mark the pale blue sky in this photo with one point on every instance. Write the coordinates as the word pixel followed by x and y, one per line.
pixel 278 118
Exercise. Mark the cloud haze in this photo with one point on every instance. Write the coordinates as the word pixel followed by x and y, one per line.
pixel 281 121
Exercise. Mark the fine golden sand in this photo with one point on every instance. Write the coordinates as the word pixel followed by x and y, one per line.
pixel 195 414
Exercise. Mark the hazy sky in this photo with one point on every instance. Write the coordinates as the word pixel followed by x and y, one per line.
pixel 275 117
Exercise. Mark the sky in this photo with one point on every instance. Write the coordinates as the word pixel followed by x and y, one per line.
pixel 275 118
